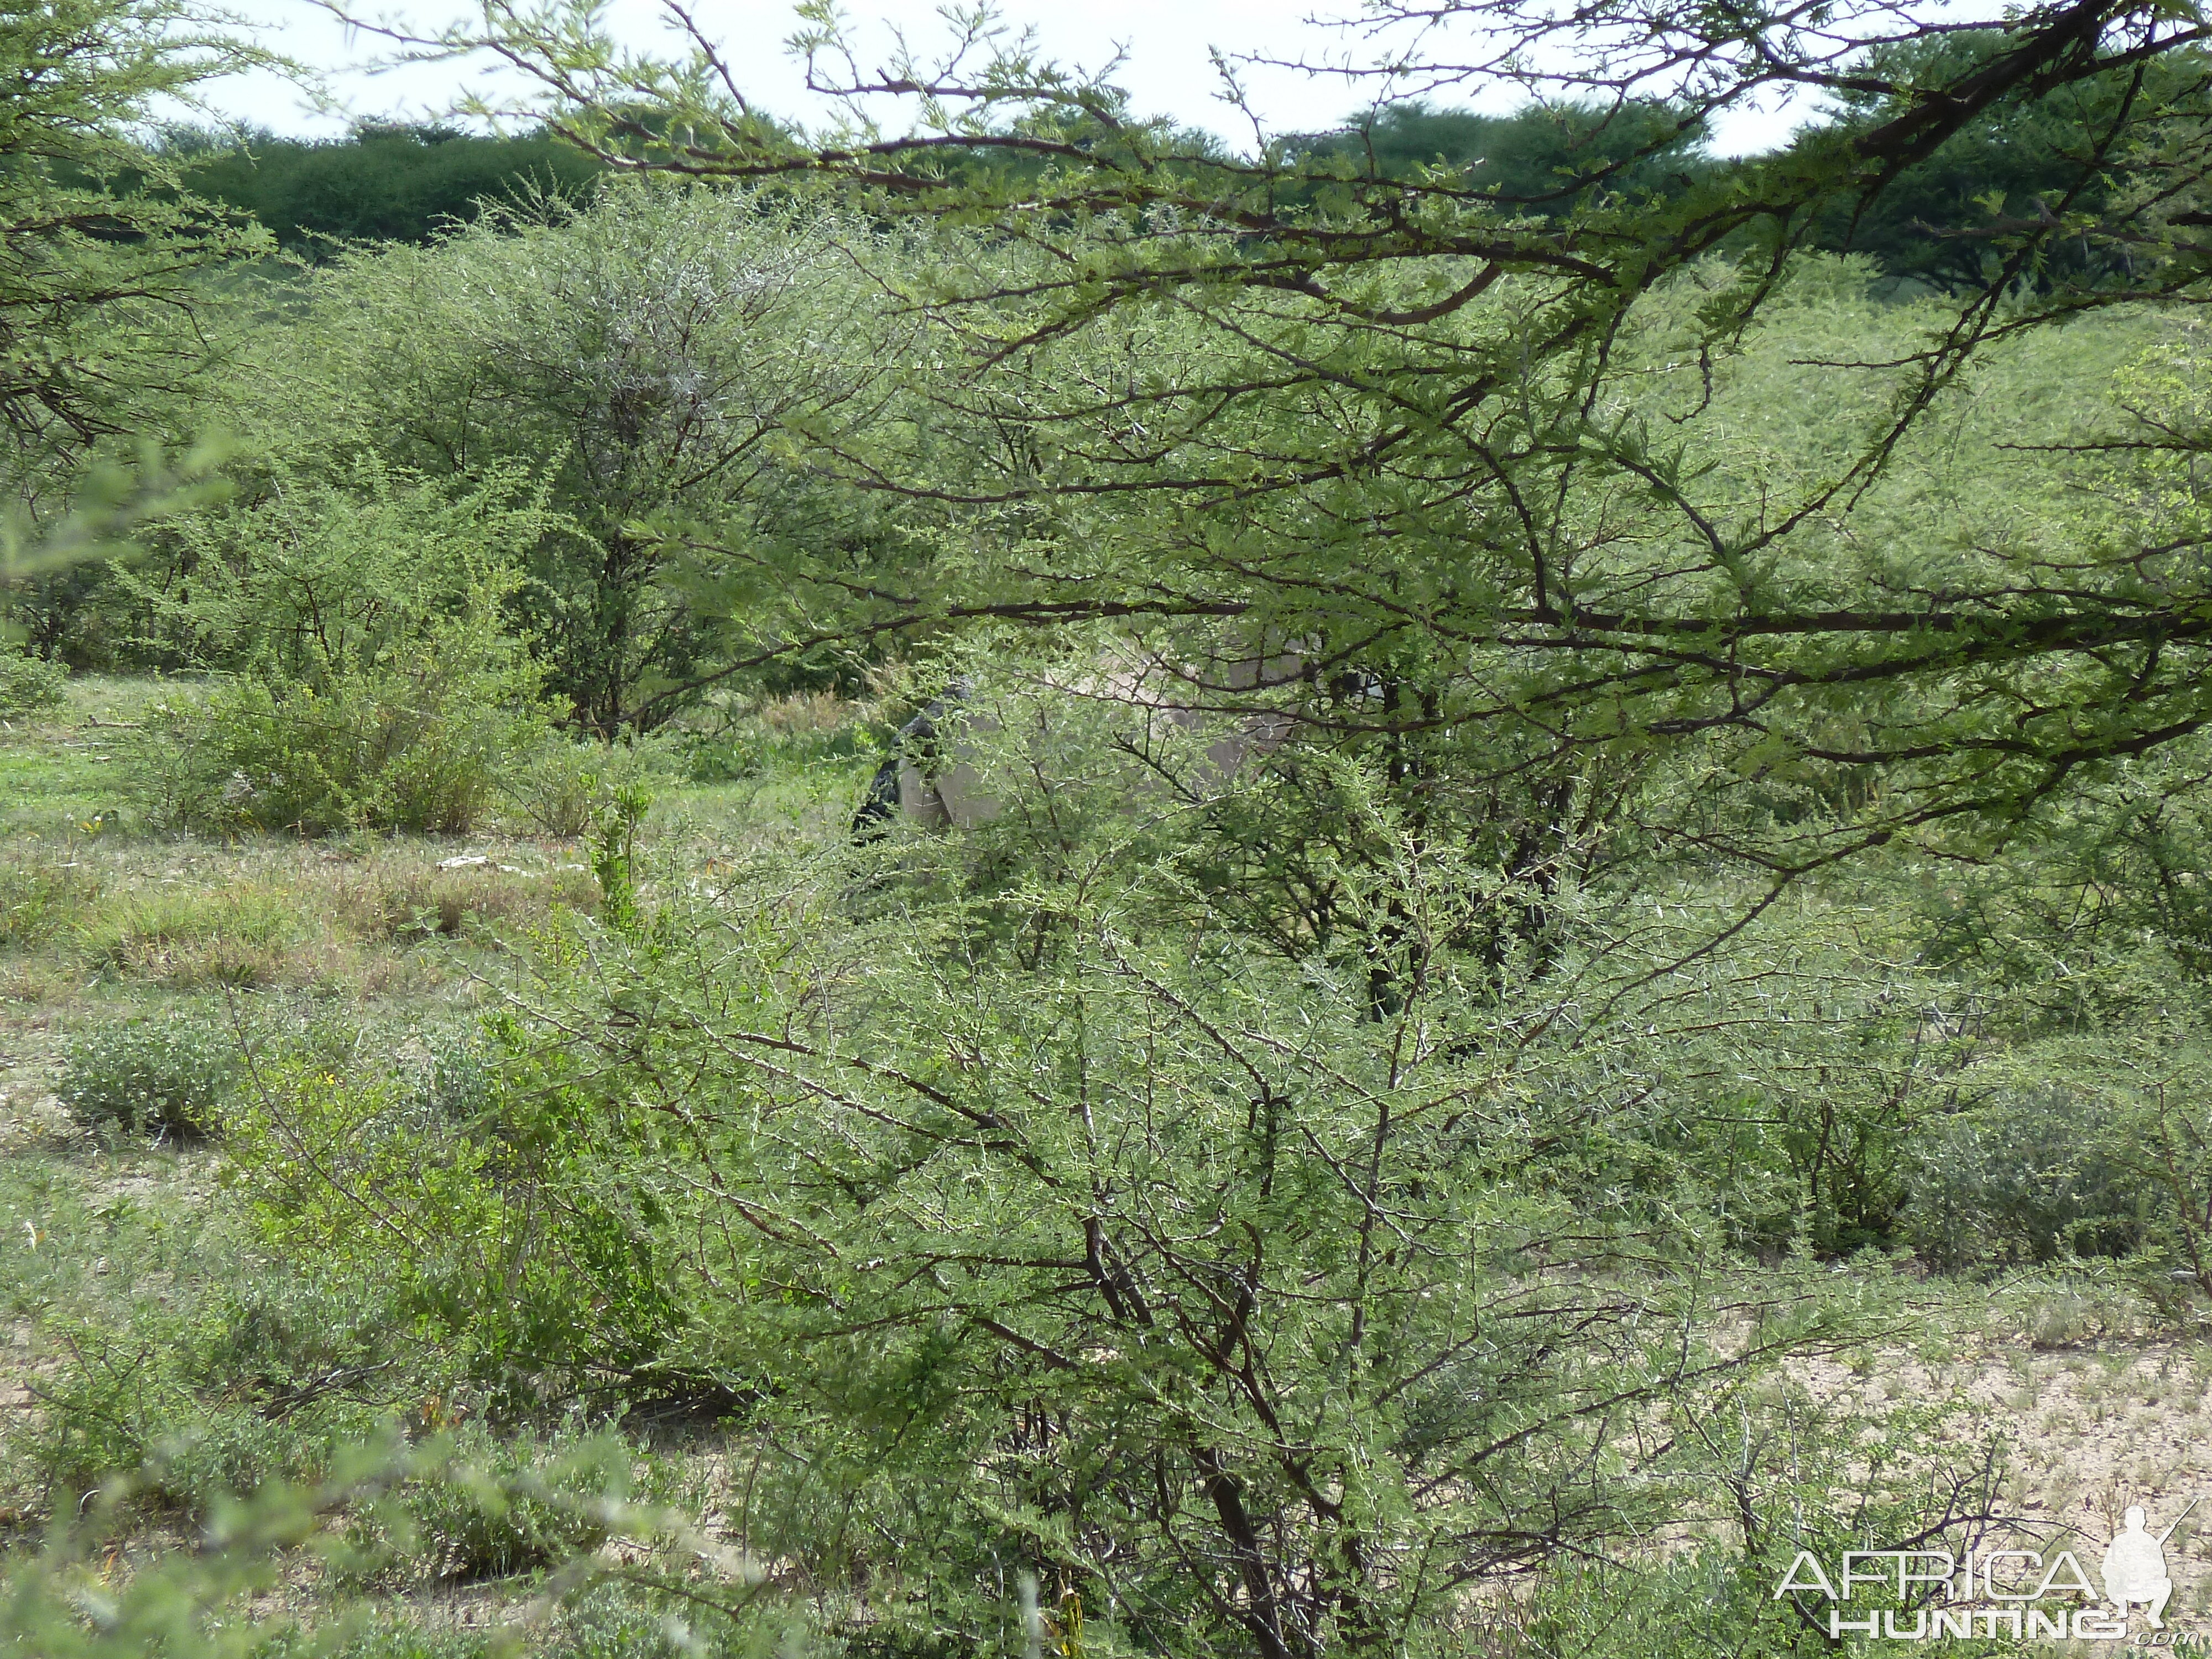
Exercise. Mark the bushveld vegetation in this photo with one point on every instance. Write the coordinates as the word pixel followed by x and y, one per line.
pixel 1570 962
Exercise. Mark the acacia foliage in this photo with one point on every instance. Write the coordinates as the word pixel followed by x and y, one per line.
pixel 1943 221
pixel 104 265
pixel 1281 1207
pixel 1055 1233
pixel 422 741
pixel 1405 422
pixel 99 249
pixel 368 680
pixel 2040 155
pixel 2047 470
pixel 1018 1207
pixel 313 574
pixel 1539 159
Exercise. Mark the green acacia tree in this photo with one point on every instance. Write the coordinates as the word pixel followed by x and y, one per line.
pixel 1264 1204
pixel 641 356
pixel 1539 158
pixel 1138 1258
pixel 1396 418
pixel 1947 219
pixel 381 183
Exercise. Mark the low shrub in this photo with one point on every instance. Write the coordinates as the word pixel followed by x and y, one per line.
pixel 388 1635
pixel 2075 1304
pixel 206 1449
pixel 740 760
pixel 164 1076
pixel 241 1373
pixel 210 1598
pixel 561 789
pixel 789 734
pixel 464 1172
pixel 557 790
pixel 617 1621
pixel 506 1505
pixel 197 1602
pixel 2027 1178
pixel 456 1086
pixel 28 685
pixel 766 753
pixel 417 743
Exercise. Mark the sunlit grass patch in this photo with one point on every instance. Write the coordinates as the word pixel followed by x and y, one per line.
pixel 61 771
pixel 52 793
pixel 41 897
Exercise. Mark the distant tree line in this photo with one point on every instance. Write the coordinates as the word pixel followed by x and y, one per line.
pixel 386 182
pixel 2020 161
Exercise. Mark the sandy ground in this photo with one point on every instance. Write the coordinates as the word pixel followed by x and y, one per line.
pixel 2089 1428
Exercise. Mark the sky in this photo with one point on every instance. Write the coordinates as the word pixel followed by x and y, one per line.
pixel 1168 70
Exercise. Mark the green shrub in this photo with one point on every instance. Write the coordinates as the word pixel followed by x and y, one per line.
pixel 502 1505
pixel 240 1374
pixel 416 744
pixel 218 1448
pixel 167 1076
pixel 612 1621
pixel 456 1086
pixel 28 685
pixel 740 759
pixel 2026 1178
pixel 63 1598
pixel 192 1603
pixel 913 1122
pixel 385 1635
pixel 558 789
pixel 381 182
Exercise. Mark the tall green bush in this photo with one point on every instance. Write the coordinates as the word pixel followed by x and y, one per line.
pixel 381 182
pixel 310 572
pixel 418 742
pixel 104 285
pixel 1137 1256
pixel 646 358
pixel 29 685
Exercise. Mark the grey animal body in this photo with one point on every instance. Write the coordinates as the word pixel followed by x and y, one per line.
pixel 900 785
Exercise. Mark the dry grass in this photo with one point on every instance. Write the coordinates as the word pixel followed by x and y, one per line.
pixel 97 922
pixel 816 711
pixel 399 897
pixel 187 917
